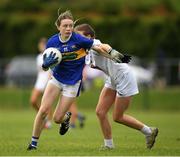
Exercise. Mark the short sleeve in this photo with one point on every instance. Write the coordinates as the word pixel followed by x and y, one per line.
pixel 84 42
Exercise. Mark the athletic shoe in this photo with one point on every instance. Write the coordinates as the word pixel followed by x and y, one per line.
pixel 30 147
pixel 65 125
pixel 81 121
pixel 150 139
pixel 104 148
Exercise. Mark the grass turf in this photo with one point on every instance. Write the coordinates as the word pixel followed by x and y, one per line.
pixel 16 127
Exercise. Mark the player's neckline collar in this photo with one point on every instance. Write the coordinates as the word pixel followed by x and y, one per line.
pixel 64 41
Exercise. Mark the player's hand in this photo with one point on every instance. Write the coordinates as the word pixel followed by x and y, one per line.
pixel 119 57
pixel 116 56
pixel 70 56
pixel 126 58
pixel 48 61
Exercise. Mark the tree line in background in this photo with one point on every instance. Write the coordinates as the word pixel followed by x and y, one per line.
pixel 132 26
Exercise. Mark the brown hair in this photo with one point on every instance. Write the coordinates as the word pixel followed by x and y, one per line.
pixel 86 28
pixel 65 15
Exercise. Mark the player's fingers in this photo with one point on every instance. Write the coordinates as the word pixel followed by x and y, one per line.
pixel 56 60
pixel 51 53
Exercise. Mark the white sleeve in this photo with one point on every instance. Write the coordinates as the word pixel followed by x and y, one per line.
pixel 89 56
pixel 96 42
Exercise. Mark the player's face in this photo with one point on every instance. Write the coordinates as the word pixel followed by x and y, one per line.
pixel 66 28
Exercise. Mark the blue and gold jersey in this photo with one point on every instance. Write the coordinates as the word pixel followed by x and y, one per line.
pixel 70 71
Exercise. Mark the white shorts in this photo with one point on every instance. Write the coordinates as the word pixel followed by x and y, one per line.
pixel 126 85
pixel 41 82
pixel 67 90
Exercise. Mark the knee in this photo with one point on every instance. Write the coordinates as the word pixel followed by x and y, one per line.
pixel 33 102
pixel 43 111
pixel 56 119
pixel 100 113
pixel 118 118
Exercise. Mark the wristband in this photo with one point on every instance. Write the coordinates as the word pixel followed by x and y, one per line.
pixel 109 51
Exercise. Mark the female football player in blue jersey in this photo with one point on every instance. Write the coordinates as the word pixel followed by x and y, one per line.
pixel 66 76
pixel 119 88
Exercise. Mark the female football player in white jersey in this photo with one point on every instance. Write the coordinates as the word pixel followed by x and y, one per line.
pixel 66 76
pixel 119 88
pixel 41 82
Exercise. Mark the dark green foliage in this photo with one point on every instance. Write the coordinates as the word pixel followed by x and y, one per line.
pixel 136 27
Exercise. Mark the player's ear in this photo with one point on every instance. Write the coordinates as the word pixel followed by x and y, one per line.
pixel 58 28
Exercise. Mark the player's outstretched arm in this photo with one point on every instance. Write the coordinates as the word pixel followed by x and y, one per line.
pixel 107 51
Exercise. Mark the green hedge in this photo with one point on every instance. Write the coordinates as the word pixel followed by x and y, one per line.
pixel 136 27
pixel 142 36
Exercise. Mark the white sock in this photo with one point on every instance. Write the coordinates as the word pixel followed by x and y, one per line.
pixel 109 143
pixel 48 124
pixel 146 130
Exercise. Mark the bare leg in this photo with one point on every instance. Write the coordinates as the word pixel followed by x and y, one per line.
pixel 121 105
pixel 73 110
pixel 106 100
pixel 48 98
pixel 63 106
pixel 35 102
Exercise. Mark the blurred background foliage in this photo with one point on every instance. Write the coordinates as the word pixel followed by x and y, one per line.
pixel 138 27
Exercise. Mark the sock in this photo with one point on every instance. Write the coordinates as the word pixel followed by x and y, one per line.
pixel 146 130
pixel 81 119
pixel 109 143
pixel 34 141
pixel 48 124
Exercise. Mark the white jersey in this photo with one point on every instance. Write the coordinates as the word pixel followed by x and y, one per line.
pixel 119 75
pixel 42 76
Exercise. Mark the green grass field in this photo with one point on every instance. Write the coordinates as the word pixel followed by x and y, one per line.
pixel 16 127
pixel 16 120
pixel 155 99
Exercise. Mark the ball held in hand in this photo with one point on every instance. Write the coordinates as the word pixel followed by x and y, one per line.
pixel 52 53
